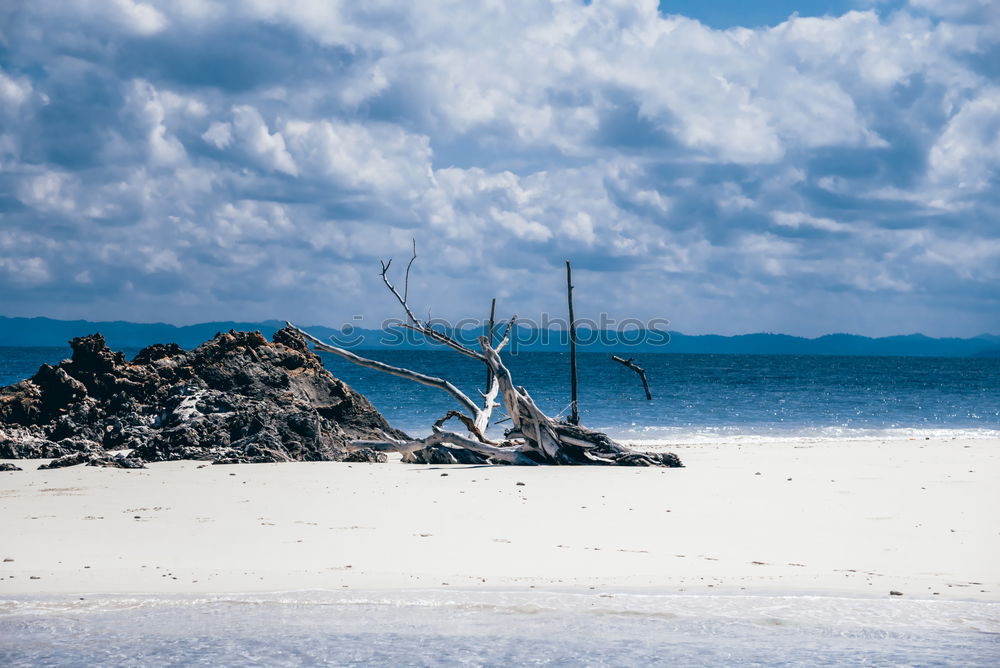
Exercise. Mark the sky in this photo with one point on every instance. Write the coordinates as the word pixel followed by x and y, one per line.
pixel 783 166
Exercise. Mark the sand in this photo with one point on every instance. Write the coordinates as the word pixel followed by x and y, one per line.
pixel 854 518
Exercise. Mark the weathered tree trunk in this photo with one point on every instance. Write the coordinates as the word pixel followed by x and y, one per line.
pixel 551 441
pixel 574 413
pixel 493 312
pixel 534 438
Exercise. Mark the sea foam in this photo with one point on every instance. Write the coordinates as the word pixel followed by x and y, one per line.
pixel 492 628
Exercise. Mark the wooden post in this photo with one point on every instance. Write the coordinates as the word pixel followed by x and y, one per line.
pixel 574 417
pixel 489 371
pixel 638 369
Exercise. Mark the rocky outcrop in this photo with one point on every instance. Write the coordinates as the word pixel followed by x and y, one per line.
pixel 235 399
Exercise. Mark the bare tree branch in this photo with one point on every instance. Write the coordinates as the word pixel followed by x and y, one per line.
pixel 414 322
pixel 638 369
pixel 392 289
pixel 443 339
pixel 406 280
pixel 506 334
pixel 415 376
pixel 469 423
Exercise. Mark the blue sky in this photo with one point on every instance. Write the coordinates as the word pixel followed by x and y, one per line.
pixel 730 166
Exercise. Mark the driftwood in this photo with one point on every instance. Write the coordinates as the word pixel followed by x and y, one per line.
pixel 574 413
pixel 638 369
pixel 534 438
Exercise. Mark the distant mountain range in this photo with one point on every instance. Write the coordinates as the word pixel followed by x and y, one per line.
pixel 120 334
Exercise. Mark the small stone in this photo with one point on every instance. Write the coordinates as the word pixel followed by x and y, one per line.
pixel 893 592
pixel 7 560
pixel 34 577
pixel 443 474
pixel 520 484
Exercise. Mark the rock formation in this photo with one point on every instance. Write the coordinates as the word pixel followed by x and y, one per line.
pixel 234 399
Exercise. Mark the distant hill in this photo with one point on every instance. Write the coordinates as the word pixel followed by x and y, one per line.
pixel 120 334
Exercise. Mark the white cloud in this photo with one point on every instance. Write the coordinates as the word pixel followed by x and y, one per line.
pixel 797 220
pixel 13 92
pixel 138 17
pixel 218 154
pixel 25 270
pixel 255 138
pixel 151 109
pixel 379 157
pixel 966 157
pixel 218 134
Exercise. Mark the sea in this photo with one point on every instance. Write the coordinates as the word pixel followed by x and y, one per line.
pixel 696 399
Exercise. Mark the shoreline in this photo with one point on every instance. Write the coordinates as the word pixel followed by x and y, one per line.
pixel 857 519
pixel 433 627
pixel 797 608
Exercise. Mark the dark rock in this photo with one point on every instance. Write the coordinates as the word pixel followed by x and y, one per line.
pixel 290 338
pixel 17 442
pixel 156 352
pixel 367 455
pixel 58 389
pixel 4 466
pixel 20 403
pixel 235 399
pixel 118 461
pixel 75 459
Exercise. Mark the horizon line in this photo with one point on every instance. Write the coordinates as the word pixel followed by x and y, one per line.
pixel 281 322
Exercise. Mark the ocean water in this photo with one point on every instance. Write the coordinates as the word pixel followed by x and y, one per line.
pixel 496 629
pixel 695 397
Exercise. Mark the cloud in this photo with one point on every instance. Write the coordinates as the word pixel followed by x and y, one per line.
pixel 210 158
pixel 256 140
pixel 966 155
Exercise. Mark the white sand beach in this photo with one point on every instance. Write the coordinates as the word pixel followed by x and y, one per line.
pixel 854 518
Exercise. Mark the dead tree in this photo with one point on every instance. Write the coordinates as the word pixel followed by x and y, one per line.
pixel 492 324
pixel 534 438
pixel 574 414
pixel 638 369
